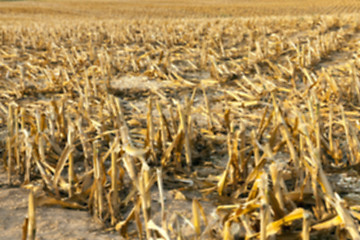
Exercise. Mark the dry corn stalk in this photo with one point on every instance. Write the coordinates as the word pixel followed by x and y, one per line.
pixel 31 230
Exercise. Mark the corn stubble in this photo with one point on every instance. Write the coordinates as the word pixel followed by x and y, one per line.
pixel 267 102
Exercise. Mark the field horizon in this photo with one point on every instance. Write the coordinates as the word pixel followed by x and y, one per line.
pixel 125 9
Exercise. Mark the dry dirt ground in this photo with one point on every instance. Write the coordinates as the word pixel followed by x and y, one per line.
pixel 52 222
pixel 61 223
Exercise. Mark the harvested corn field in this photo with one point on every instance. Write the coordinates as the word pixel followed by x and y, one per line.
pixel 181 120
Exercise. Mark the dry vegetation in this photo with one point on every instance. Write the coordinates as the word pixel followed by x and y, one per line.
pixel 256 116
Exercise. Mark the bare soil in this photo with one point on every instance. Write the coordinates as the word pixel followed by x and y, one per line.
pixel 52 222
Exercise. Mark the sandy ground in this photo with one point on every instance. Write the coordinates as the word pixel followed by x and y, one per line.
pixel 52 222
